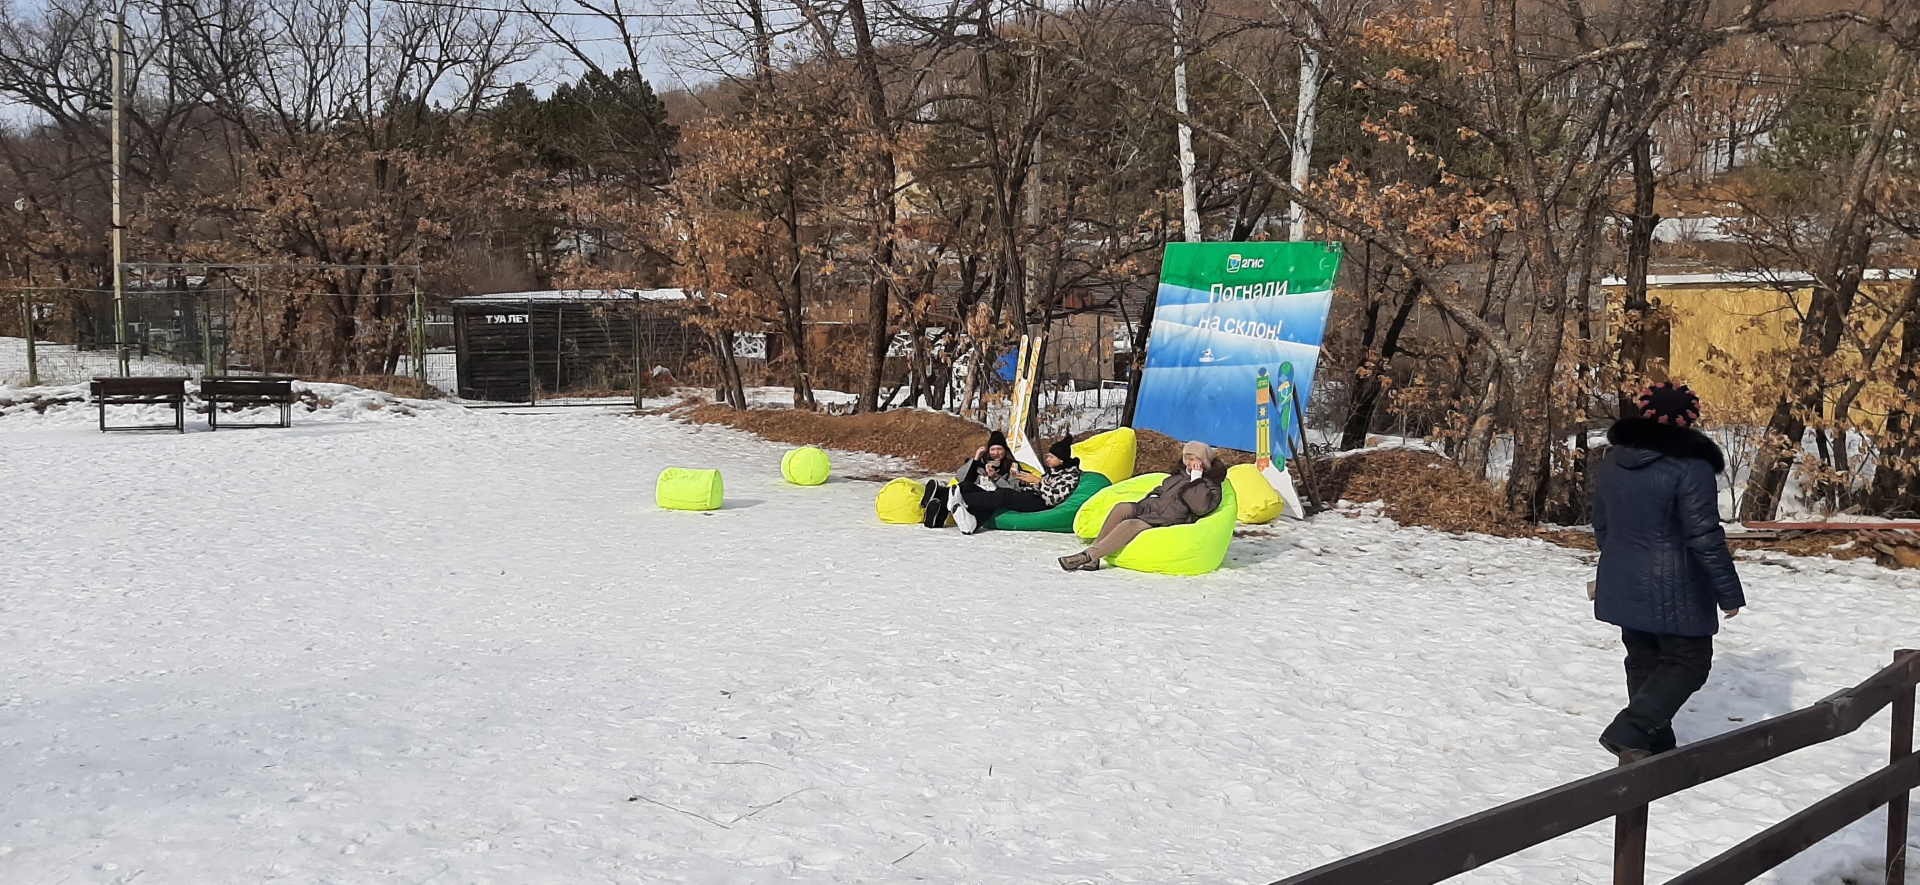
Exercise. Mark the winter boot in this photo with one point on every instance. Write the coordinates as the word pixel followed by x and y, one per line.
pixel 964 518
pixel 1075 561
pixel 1626 742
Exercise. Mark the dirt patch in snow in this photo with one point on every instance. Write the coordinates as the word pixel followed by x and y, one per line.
pixel 936 441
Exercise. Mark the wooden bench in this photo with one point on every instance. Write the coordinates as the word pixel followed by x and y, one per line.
pixel 138 392
pixel 245 392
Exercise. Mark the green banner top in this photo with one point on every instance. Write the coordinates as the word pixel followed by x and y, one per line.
pixel 1305 266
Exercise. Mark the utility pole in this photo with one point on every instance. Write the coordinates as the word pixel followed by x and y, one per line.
pixel 1189 194
pixel 1305 119
pixel 119 150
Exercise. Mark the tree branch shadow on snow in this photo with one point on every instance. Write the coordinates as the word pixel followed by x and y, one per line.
pixel 1254 546
pixel 1744 688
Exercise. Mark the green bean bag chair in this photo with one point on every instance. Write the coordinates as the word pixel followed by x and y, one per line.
pixel 1110 454
pixel 1259 503
pixel 805 466
pixel 1058 518
pixel 680 488
pixel 1195 548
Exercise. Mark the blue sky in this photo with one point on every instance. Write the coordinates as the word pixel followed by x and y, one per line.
pixel 672 40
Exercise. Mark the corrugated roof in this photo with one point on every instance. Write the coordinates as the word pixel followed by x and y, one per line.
pixel 567 295
pixel 1756 278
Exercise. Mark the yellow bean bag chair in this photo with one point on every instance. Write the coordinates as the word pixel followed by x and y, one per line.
pixel 1195 548
pixel 805 466
pixel 1259 503
pixel 899 502
pixel 680 488
pixel 1110 454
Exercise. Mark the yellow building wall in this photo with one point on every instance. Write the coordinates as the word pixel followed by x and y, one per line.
pixel 1733 345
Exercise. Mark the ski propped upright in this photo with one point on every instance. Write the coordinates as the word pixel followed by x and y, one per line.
pixel 1026 370
pixel 1264 399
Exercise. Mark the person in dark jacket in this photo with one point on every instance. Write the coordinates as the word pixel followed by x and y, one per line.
pixel 1063 474
pixel 1191 492
pixel 1664 563
pixel 990 472
pixel 978 504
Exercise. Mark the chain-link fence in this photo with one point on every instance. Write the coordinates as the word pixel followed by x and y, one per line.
pixel 55 336
pixel 526 347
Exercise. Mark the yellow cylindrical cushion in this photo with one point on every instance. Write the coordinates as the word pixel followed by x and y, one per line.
pixel 680 488
pixel 899 502
pixel 1259 503
pixel 1110 454
pixel 806 466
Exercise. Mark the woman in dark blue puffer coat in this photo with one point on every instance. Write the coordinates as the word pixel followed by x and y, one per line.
pixel 1664 563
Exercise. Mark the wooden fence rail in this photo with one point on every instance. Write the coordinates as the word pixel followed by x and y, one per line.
pixel 1624 793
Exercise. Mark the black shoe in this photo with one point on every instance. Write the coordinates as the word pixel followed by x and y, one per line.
pixel 936 515
pixel 1627 755
pixel 1662 741
pixel 1627 741
pixel 933 488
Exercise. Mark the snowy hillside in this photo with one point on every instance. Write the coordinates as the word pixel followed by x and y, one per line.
pixel 461 646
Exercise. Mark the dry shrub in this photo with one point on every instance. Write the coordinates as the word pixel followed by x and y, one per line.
pixel 1423 489
pixel 1160 453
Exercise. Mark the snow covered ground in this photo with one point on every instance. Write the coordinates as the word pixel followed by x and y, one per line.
pixel 421 643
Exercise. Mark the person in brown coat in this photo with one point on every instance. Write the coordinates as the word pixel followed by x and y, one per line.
pixel 1187 495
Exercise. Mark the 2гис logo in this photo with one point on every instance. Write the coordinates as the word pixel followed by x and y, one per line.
pixel 1235 263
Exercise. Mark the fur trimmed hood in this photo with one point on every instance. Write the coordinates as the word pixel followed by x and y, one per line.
pixel 1664 440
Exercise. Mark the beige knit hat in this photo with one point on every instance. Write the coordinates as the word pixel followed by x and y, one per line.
pixel 1198 449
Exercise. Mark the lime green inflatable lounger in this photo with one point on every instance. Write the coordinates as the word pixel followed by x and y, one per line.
pixel 682 489
pixel 1195 548
pixel 1058 518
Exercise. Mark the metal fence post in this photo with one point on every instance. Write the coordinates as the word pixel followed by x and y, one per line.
pixel 640 381
pixel 260 302
pixel 1902 747
pixel 33 356
pixel 206 333
pixel 533 365
pixel 419 336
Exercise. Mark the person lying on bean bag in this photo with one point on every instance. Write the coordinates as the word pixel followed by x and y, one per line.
pixel 1190 493
pixel 991 471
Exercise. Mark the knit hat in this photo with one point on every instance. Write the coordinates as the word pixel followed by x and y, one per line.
pixel 997 439
pixel 1064 451
pixel 1669 404
pixel 1199 449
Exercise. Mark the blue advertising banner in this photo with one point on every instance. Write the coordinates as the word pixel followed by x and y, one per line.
pixel 1232 318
